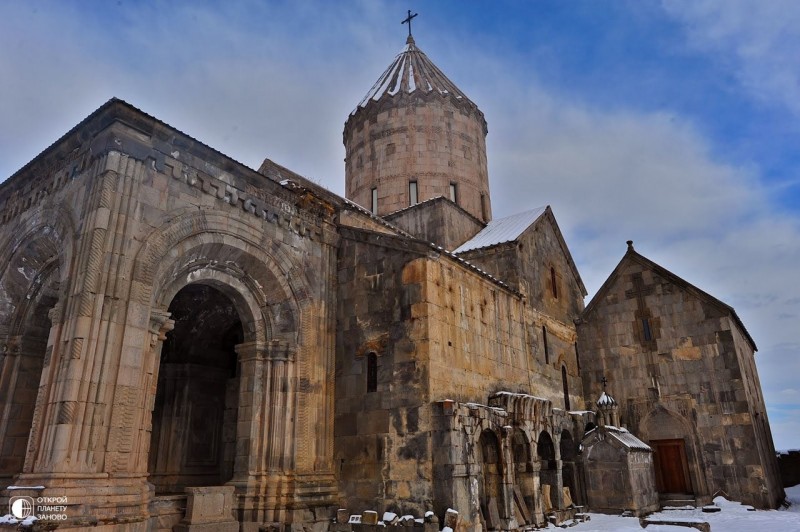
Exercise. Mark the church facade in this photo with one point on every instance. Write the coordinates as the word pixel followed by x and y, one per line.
pixel 189 343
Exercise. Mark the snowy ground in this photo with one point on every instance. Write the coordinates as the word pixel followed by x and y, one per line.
pixel 733 518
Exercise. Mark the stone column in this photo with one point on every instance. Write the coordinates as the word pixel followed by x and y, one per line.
pixel 159 326
pixel 507 460
pixel 538 504
pixel 45 384
pixel 265 435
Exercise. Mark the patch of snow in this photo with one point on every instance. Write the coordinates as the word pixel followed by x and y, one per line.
pixel 606 400
pixel 733 517
pixel 25 488
pixel 389 516
pixel 502 230
pixel 398 80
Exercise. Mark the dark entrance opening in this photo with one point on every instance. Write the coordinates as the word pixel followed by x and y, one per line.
pixel 193 442
pixel 492 502
pixel 672 470
pixel 524 479
pixel 569 471
pixel 21 368
pixel 548 471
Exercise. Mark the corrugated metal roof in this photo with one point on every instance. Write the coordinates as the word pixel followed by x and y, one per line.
pixel 627 439
pixel 502 230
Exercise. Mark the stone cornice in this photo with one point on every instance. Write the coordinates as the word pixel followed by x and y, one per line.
pixel 403 99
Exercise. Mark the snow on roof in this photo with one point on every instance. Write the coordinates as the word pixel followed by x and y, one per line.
pixel 627 439
pixel 606 400
pixel 411 71
pixel 502 230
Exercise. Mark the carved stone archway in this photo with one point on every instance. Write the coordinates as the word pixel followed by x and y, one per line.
pixel 34 276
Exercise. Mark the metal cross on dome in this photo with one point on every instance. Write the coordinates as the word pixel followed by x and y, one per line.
pixel 604 381
pixel 408 21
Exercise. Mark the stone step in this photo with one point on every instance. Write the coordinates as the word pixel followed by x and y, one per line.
pixel 678 501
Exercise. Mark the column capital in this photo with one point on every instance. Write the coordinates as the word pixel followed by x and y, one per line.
pixel 54 314
pixel 160 324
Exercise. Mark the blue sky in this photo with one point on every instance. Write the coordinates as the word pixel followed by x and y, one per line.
pixel 672 123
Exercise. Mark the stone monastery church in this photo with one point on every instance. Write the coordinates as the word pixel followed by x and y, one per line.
pixel 186 342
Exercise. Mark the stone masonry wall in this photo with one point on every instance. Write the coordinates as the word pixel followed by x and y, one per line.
pixel 525 265
pixel 438 221
pixel 482 338
pixel 422 138
pixel 382 437
pixel 685 383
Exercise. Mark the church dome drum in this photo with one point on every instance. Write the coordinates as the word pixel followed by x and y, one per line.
pixel 416 136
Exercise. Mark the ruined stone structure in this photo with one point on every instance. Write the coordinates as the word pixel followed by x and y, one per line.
pixel 190 343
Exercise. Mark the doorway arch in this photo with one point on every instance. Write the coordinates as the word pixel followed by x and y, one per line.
pixel 675 458
pixel 524 478
pixel 34 276
pixel 492 502
pixel 569 470
pixel 193 439
pixel 548 469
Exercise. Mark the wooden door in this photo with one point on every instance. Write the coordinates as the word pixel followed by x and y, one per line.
pixel 672 471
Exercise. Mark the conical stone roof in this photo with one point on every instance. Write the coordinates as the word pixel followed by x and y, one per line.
pixel 412 73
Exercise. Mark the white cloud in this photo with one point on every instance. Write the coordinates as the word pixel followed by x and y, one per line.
pixel 758 39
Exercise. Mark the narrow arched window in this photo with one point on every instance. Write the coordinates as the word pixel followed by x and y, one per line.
pixel 566 387
pixel 646 330
pixel 546 347
pixel 413 195
pixel 372 372
pixel 553 282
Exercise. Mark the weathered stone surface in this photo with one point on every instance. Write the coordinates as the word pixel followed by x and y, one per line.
pixel 688 384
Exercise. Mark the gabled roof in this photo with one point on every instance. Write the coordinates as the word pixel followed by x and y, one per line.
pixel 509 229
pixel 632 256
pixel 428 202
pixel 622 435
pixel 627 439
pixel 502 230
pixel 112 110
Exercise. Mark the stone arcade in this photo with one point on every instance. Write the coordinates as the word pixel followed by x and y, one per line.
pixel 190 343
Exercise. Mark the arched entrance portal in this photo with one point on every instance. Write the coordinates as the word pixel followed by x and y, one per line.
pixel 525 481
pixel 34 276
pixel 548 470
pixel 26 354
pixel 492 502
pixel 193 441
pixel 569 472
pixel 673 455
